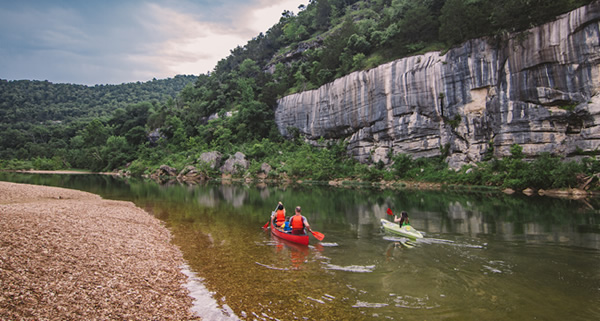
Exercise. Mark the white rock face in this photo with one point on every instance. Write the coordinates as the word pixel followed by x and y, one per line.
pixel 479 95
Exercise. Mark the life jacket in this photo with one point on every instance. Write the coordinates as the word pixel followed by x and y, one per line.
pixel 403 222
pixel 280 217
pixel 297 222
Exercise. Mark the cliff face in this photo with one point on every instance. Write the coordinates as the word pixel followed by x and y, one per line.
pixel 538 89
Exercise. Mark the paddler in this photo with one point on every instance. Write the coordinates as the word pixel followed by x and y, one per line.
pixel 403 220
pixel 299 222
pixel 279 216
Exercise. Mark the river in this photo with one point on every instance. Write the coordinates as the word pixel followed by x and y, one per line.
pixel 485 255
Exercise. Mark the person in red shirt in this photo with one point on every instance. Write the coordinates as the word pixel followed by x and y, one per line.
pixel 299 222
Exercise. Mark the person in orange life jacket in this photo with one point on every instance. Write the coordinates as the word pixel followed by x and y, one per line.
pixel 403 220
pixel 299 222
pixel 279 216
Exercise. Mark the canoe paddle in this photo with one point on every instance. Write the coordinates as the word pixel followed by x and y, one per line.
pixel 267 225
pixel 319 236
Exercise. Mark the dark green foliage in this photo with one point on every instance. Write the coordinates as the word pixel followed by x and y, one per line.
pixel 116 152
pixel 232 108
pixel 39 118
pixel 464 19
pixel 323 13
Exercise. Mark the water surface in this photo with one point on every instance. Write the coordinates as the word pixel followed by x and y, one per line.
pixel 485 256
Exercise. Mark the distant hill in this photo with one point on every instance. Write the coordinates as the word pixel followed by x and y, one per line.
pixel 32 101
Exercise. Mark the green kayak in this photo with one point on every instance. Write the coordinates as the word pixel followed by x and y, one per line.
pixel 406 230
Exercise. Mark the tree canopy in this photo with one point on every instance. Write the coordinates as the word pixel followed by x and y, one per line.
pixel 108 126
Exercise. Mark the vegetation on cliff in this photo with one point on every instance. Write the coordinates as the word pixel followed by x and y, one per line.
pixel 52 126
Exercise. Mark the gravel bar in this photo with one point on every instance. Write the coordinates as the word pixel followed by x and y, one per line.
pixel 71 255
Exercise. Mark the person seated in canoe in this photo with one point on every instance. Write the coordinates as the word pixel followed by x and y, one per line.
pixel 279 216
pixel 299 222
pixel 403 220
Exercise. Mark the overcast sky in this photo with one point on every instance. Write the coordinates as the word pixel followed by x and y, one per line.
pixel 115 41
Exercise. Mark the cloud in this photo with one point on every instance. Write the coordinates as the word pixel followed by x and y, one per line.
pixel 94 42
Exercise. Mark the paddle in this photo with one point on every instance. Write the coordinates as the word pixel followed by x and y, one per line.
pixel 267 225
pixel 319 236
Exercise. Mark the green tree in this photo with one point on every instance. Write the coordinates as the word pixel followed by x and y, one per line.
pixel 464 19
pixel 116 153
pixel 323 13
pixel 95 133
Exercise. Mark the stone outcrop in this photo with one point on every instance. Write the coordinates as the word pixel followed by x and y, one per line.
pixel 165 170
pixel 211 159
pixel 538 89
pixel 191 174
pixel 163 173
pixel 235 163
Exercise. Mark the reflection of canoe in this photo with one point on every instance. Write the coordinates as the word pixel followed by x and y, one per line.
pixel 299 239
pixel 406 230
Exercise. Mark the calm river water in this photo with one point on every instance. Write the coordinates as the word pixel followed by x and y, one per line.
pixel 485 256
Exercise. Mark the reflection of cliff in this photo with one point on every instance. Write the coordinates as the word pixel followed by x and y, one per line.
pixel 521 91
pixel 209 199
pixel 230 193
pixel 235 195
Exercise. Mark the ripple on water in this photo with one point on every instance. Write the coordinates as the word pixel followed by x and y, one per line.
pixel 272 267
pixel 497 267
pixel 396 239
pixel 410 302
pixel 449 242
pixel 331 244
pixel 351 268
pixel 361 304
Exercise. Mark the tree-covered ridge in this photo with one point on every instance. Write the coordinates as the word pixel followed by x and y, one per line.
pixel 40 101
pixel 330 38
pixel 232 108
pixel 40 119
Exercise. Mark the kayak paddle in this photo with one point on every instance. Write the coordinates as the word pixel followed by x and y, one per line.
pixel 389 211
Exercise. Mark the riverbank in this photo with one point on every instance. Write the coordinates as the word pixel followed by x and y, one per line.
pixel 39 171
pixel 565 193
pixel 67 254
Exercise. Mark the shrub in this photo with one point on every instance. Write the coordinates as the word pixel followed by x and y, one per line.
pixel 137 168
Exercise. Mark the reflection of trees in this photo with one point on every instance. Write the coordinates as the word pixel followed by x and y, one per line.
pixel 532 219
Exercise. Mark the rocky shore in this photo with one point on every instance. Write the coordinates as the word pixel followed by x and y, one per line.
pixel 70 255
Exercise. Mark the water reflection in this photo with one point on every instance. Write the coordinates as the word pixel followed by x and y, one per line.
pixel 484 255
pixel 296 253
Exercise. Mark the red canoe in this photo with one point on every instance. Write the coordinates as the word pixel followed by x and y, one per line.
pixel 296 238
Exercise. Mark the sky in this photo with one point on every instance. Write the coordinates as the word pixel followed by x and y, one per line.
pixel 93 42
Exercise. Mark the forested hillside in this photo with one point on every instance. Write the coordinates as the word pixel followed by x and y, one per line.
pixel 330 38
pixel 39 118
pixel 232 108
pixel 39 101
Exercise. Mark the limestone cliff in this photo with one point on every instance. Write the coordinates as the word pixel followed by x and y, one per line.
pixel 538 89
